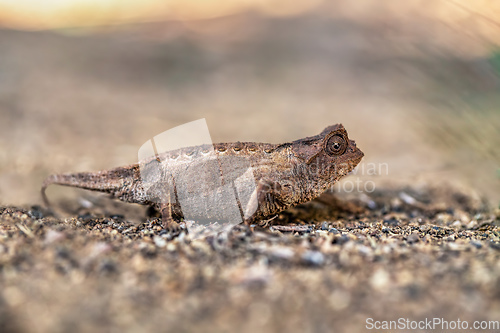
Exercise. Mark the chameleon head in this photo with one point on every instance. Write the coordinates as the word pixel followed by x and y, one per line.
pixel 330 154
pixel 340 154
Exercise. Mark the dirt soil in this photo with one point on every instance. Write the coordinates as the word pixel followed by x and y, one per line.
pixel 415 254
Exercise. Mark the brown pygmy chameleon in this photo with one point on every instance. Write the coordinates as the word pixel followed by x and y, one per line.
pixel 284 175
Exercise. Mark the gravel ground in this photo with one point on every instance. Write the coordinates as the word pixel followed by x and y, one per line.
pixel 398 253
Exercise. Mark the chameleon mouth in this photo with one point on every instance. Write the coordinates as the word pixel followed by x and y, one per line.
pixel 357 160
pixel 357 156
pixel 355 152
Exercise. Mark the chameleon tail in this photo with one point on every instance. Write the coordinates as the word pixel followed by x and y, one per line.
pixel 110 181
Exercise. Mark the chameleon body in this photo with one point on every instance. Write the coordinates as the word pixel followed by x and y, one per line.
pixel 263 178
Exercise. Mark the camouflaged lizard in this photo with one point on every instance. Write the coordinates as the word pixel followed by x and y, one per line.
pixel 263 178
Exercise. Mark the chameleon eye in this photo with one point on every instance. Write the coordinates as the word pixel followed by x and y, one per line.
pixel 336 145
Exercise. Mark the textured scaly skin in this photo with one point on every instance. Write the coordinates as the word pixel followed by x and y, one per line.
pixel 285 174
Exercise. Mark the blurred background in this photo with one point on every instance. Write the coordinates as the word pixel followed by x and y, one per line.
pixel 84 83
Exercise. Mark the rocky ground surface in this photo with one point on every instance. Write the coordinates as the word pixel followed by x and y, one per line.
pixel 411 253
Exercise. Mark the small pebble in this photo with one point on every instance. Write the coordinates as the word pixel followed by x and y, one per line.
pixel 52 236
pixel 380 280
pixel 85 203
pixel 341 240
pixel 107 267
pixel 36 212
pixel 283 253
pixel 333 231
pixel 391 221
pixel 364 250
pixel 313 258
pixel 476 244
pixel 413 238
pixel 472 224
pixel 407 198
pixel 159 241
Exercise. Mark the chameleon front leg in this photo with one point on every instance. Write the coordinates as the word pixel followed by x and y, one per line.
pixel 170 220
pixel 167 217
pixel 167 203
pixel 268 199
